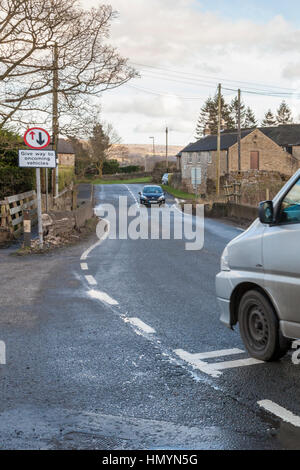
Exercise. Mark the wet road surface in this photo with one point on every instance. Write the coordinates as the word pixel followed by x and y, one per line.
pixel 106 351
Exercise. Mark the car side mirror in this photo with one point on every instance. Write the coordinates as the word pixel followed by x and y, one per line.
pixel 266 212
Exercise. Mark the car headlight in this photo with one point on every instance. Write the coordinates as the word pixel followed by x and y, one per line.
pixel 225 260
pixel 161 197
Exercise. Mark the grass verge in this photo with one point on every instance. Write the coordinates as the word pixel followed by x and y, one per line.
pixel 177 193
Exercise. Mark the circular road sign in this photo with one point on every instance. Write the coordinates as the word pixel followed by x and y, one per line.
pixel 37 138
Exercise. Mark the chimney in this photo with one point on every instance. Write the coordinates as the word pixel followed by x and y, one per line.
pixel 207 131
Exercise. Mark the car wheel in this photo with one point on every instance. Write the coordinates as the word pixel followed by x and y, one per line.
pixel 259 328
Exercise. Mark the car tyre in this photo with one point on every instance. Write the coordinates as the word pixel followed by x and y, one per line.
pixel 259 328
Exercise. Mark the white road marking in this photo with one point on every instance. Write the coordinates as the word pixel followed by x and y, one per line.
pixel 84 266
pixel 222 352
pixel 91 280
pixel 97 294
pixel 239 363
pixel 2 353
pixel 196 363
pixel 104 236
pixel 280 412
pixel 215 368
pixel 129 190
pixel 141 325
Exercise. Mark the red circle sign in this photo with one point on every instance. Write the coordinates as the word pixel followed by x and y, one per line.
pixel 37 138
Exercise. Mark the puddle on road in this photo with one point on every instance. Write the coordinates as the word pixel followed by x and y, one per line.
pixel 287 435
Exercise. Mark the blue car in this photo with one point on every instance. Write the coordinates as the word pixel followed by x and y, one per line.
pixel 152 195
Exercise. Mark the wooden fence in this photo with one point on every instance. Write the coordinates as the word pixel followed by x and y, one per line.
pixel 233 192
pixel 11 216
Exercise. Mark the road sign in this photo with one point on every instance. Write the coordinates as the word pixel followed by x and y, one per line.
pixel 37 159
pixel 37 138
pixel 196 176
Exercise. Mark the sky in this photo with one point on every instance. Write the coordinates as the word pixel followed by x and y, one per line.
pixel 184 48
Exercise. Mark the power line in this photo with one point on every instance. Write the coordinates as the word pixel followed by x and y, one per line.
pixel 191 74
pixel 164 94
pixel 207 84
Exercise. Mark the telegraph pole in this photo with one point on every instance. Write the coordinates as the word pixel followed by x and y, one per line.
pixel 167 163
pixel 153 146
pixel 219 139
pixel 55 128
pixel 239 131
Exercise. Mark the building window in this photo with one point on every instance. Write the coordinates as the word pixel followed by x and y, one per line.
pixel 190 158
pixel 209 157
pixel 198 158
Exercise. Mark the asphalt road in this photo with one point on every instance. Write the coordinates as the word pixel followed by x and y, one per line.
pixel 100 352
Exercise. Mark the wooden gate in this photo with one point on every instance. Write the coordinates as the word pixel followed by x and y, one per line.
pixel 12 211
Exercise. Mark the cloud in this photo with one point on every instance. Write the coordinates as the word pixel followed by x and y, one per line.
pixel 292 71
pixel 171 31
pixel 151 106
pixel 180 35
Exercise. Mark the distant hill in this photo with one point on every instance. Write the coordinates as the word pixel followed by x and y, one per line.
pixel 142 155
pixel 147 149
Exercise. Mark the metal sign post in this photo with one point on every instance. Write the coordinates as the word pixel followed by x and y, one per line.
pixel 47 189
pixel 39 205
pixel 37 139
pixel 196 179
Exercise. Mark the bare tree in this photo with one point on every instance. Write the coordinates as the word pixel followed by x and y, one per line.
pixel 86 65
pixel 118 152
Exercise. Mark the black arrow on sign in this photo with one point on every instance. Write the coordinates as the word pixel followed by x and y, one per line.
pixel 40 141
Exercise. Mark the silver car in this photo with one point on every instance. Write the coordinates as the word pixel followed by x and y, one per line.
pixel 259 283
pixel 165 178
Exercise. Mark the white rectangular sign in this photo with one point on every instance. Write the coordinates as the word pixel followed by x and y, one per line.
pixel 196 176
pixel 37 159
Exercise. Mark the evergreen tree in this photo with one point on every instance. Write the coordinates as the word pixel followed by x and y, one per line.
pixel 284 114
pixel 234 108
pixel 269 120
pixel 209 117
pixel 99 144
pixel 250 119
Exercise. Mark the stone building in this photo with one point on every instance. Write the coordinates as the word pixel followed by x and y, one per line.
pixel 65 153
pixel 262 149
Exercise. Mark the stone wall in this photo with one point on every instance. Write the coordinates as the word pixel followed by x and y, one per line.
pixel 57 223
pixel 239 212
pixel 126 176
pixel 256 186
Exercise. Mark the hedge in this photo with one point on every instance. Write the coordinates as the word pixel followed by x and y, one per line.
pixel 15 180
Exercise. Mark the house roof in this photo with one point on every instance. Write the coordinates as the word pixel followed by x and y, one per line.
pixel 283 135
pixel 63 146
pixel 209 142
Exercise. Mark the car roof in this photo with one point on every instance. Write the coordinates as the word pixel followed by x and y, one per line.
pixel 152 186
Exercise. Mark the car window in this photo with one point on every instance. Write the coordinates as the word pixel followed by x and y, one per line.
pixel 152 190
pixel 290 206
